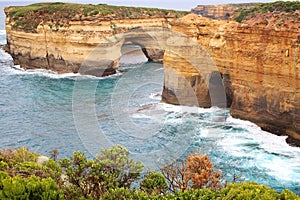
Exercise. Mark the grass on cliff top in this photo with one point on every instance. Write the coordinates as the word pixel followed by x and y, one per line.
pixel 58 14
pixel 90 10
pixel 279 6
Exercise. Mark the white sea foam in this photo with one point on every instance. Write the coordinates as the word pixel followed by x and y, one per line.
pixel 17 70
pixel 141 116
pixel 159 69
pixel 187 109
pixel 280 168
pixel 268 141
pixel 2 32
pixel 5 57
pixel 273 155
pixel 155 96
pixel 241 123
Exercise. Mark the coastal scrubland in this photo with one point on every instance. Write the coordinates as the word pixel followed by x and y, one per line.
pixel 114 175
pixel 278 7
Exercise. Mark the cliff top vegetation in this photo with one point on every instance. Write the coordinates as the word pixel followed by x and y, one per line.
pixel 27 18
pixel 276 8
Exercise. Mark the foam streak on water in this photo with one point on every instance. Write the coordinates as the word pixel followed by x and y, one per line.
pixel 36 112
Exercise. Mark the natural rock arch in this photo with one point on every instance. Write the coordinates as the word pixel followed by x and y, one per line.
pixel 188 71
pixel 188 68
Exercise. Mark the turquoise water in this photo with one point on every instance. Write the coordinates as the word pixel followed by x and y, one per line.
pixel 43 111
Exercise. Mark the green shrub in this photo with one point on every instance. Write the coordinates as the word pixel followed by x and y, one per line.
pixel 32 188
pixel 249 191
pixel 77 170
pixel 288 195
pixel 22 163
pixel 3 165
pixel 3 176
pixel 23 155
pixel 243 15
pixel 125 194
pixel 92 178
pixel 154 182
pixel 280 6
pixel 125 170
pixel 204 194
pixel 106 12
pixel 95 12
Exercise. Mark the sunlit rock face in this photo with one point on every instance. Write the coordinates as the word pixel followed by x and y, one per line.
pixel 253 67
pixel 220 11
pixel 260 67
pixel 64 50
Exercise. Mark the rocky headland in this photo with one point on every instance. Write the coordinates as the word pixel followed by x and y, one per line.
pixel 220 11
pixel 60 36
pixel 250 64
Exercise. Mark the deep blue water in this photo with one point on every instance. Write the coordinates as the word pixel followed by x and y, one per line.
pixel 43 111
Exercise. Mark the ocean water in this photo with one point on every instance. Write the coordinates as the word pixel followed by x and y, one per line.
pixel 42 111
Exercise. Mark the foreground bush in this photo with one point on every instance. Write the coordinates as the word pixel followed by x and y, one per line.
pixel 116 160
pixel 197 172
pixel 237 191
pixel 92 178
pixel 154 183
pixel 125 194
pixel 32 188
pixel 249 191
pixel 112 174
pixel 23 163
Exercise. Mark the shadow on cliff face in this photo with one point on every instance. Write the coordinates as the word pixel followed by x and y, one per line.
pixel 219 83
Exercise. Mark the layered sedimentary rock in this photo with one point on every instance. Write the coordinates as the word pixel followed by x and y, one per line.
pixel 259 63
pixel 221 11
pixel 253 67
pixel 65 50
pixel 68 40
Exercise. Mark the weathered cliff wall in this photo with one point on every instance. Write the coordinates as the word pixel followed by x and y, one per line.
pixel 60 37
pixel 253 67
pixel 64 50
pixel 259 64
pixel 220 11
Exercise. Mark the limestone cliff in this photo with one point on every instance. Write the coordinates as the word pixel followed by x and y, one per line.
pixel 253 67
pixel 260 66
pixel 220 11
pixel 60 36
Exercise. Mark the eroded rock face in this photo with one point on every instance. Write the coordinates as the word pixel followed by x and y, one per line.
pixel 221 11
pixel 253 68
pixel 260 68
pixel 74 48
